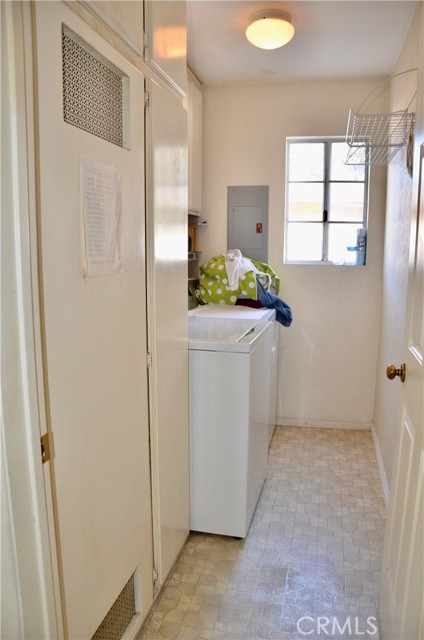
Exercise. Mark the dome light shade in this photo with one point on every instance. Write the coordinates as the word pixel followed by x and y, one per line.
pixel 270 29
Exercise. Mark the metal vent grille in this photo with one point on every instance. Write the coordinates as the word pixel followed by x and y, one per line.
pixel 95 92
pixel 119 615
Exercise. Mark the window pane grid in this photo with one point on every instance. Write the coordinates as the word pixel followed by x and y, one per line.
pixel 346 181
pixel 321 222
pixel 344 191
pixel 323 181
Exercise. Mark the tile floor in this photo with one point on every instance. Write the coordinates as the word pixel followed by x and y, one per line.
pixel 313 551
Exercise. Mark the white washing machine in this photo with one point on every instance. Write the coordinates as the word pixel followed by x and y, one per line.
pixel 239 312
pixel 232 405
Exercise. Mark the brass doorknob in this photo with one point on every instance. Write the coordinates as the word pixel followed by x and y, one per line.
pixel 393 371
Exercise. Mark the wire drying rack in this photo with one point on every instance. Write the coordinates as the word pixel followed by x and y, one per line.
pixel 375 138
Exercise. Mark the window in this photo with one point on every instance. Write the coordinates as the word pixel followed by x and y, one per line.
pixel 326 202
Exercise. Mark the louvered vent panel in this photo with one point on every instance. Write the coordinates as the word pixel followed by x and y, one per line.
pixel 94 91
pixel 119 615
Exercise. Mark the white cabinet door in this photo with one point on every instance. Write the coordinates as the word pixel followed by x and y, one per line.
pixel 94 327
pixel 168 342
pixel 166 41
pixel 124 17
pixel 401 602
pixel 195 111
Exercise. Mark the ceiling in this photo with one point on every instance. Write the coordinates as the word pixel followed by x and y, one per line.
pixel 334 38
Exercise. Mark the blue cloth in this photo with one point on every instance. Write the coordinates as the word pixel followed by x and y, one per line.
pixel 271 301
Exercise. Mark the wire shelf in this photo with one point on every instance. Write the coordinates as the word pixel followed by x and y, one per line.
pixel 377 138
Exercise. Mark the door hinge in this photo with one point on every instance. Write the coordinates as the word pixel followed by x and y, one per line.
pixel 146 98
pixel 149 359
pixel 155 577
pixel 146 40
pixel 45 448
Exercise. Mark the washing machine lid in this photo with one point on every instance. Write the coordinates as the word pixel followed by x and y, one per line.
pixel 234 312
pixel 223 334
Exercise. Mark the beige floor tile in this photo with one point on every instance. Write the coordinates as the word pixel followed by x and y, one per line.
pixel 313 550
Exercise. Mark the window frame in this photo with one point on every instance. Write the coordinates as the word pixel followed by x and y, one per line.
pixel 326 182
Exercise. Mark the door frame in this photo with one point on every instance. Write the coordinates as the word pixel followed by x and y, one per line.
pixel 28 483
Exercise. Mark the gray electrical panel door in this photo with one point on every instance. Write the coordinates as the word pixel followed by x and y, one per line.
pixel 247 226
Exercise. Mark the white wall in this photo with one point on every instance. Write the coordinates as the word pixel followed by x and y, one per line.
pixel 328 355
pixel 395 270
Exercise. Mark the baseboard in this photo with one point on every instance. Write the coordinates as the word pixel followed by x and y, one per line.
pixel 381 472
pixel 323 424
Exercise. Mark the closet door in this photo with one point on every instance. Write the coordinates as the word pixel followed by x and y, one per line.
pixel 92 248
pixel 166 123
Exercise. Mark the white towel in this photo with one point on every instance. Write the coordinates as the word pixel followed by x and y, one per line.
pixel 236 266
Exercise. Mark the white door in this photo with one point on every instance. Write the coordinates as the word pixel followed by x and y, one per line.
pixel 94 325
pixel 402 594
pixel 166 122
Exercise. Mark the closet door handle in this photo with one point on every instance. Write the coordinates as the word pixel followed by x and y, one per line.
pixel 393 371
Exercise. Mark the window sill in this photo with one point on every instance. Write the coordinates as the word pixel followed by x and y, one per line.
pixel 321 263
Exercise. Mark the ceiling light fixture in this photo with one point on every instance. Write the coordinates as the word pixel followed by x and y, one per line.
pixel 270 29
